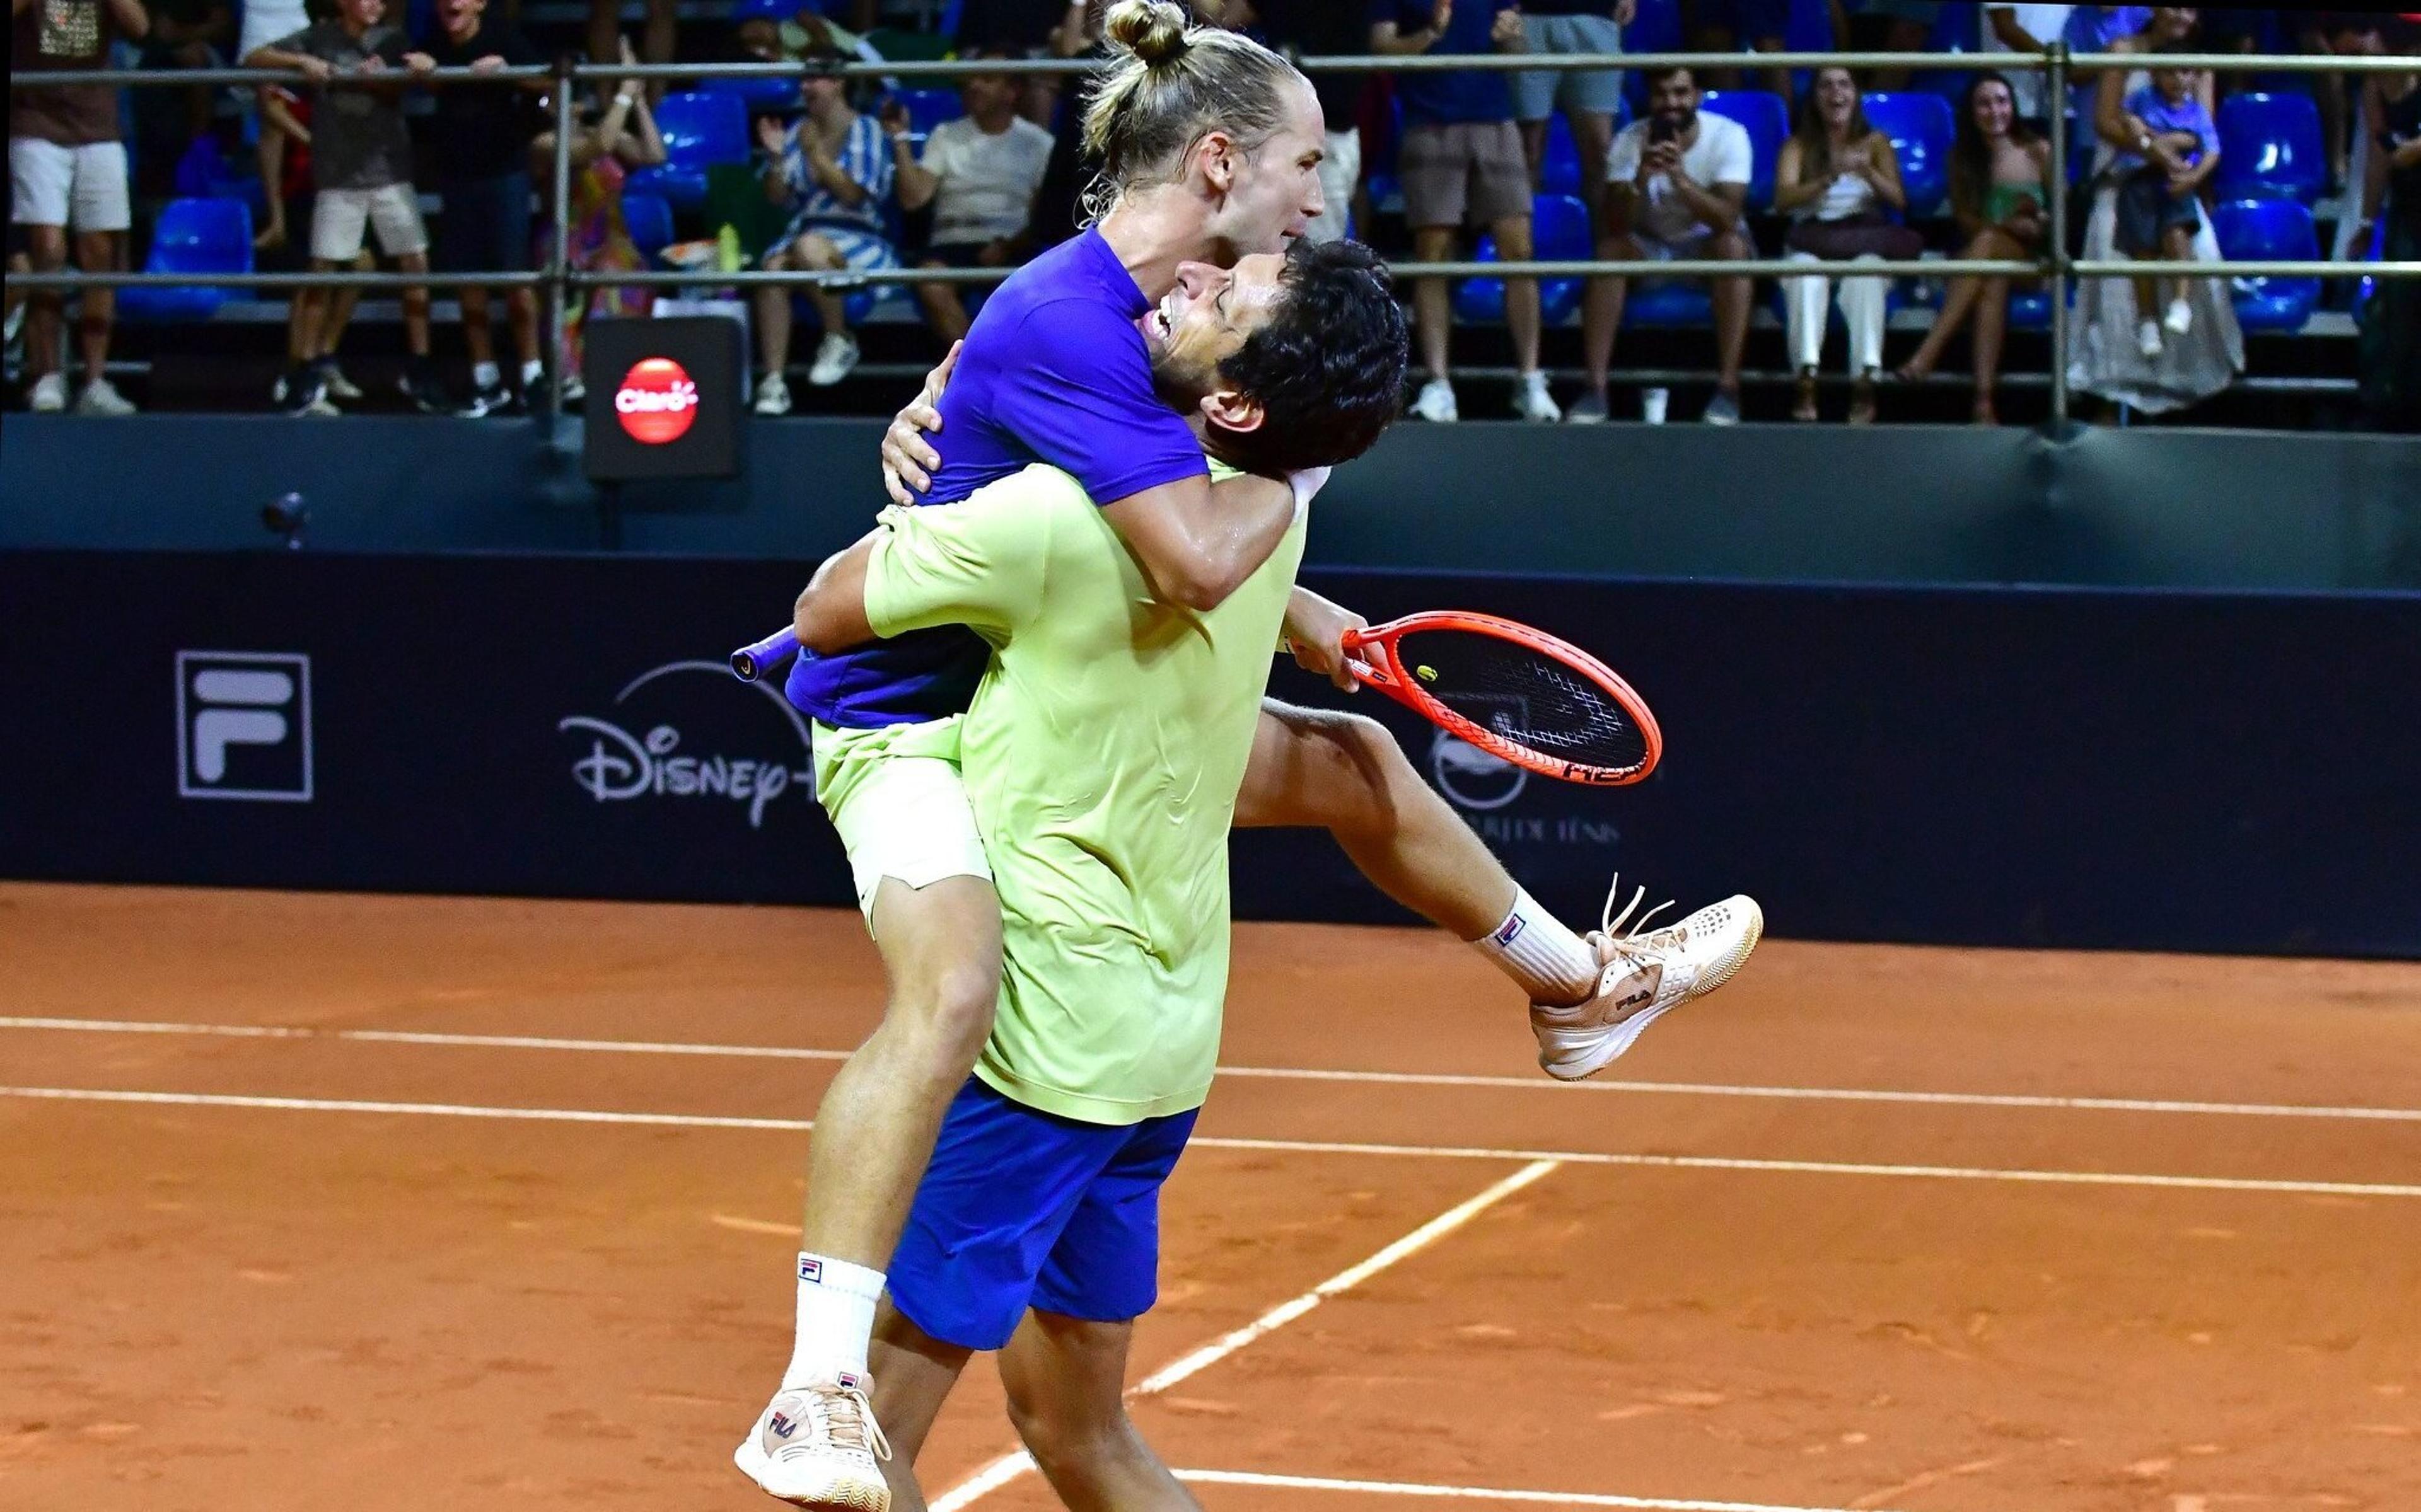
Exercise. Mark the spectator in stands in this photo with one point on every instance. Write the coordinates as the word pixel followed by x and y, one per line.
pixel 481 136
pixel 1743 26
pixel 1838 181
pixel 833 170
pixel 2175 149
pixel 1333 28
pixel 1892 27
pixel 289 115
pixel 67 170
pixel 979 174
pixel 1589 100
pixel 1462 163
pixel 2115 357
pixel 188 34
pixel 2338 33
pixel 605 43
pixel 2391 322
pixel 1675 183
pixel 361 161
pixel 265 22
pixel 2026 30
pixel 2001 183
pixel 1023 28
pixel 606 142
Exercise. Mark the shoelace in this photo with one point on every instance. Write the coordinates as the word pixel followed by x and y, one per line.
pixel 849 1423
pixel 1609 921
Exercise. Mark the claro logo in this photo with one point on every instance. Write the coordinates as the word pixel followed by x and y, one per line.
pixel 657 401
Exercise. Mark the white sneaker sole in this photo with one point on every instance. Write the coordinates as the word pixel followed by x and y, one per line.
pixel 1597 1057
pixel 833 1492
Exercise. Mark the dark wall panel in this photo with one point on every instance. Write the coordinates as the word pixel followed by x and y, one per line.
pixel 2190 771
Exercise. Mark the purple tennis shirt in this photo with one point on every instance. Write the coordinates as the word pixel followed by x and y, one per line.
pixel 1054 371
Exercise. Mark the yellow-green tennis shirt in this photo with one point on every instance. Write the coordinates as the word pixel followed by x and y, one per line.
pixel 1102 755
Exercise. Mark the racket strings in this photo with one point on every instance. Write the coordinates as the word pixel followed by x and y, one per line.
pixel 1527 696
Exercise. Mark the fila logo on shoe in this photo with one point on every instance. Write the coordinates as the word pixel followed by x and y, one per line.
pixel 781 1424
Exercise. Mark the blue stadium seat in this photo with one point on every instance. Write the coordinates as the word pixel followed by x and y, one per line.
pixel 1768 121
pixel 1559 229
pixel 1559 160
pixel 2269 230
pixel 928 108
pixel 1921 129
pixel 2270 144
pixel 649 218
pixel 760 96
pixel 2030 308
pixel 192 236
pixel 700 127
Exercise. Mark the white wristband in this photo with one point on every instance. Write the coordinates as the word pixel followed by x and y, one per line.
pixel 1307 486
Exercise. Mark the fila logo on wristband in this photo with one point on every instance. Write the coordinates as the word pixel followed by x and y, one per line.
pixel 1511 931
pixel 811 1269
pixel 656 402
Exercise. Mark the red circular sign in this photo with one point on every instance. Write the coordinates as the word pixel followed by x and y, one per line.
pixel 656 401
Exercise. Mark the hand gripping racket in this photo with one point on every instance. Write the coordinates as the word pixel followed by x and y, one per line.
pixel 1518 694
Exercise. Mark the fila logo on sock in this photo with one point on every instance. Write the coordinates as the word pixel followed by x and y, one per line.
pixel 1511 931
pixel 811 1269
pixel 850 1381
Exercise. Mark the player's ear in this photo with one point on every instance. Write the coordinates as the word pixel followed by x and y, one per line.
pixel 1232 411
pixel 1215 154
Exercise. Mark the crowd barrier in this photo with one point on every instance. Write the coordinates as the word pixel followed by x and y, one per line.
pixel 2060 66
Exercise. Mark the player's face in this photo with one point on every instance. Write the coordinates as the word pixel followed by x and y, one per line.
pixel 1275 195
pixel 1210 313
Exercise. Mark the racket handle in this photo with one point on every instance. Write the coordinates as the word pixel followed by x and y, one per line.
pixel 750 663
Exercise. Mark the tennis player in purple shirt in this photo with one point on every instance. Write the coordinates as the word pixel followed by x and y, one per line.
pixel 1210 147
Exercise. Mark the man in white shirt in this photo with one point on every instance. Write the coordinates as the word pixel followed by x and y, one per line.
pixel 1676 184
pixel 980 173
pixel 2025 29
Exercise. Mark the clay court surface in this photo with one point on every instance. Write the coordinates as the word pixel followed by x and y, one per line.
pixel 1996 1300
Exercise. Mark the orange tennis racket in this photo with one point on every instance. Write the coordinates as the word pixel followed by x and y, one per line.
pixel 1518 694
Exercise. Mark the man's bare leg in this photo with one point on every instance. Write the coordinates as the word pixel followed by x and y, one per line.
pixel 914 1373
pixel 875 1130
pixel 1321 769
pixel 1067 1384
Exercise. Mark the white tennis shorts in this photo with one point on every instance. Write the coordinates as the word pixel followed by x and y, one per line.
pixel 896 798
pixel 83 187
pixel 391 211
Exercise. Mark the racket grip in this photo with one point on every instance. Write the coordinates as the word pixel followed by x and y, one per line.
pixel 750 663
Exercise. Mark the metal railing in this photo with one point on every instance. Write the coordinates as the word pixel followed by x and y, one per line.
pixel 2059 66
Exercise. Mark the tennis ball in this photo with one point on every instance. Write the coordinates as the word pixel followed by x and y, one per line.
pixel 1425 673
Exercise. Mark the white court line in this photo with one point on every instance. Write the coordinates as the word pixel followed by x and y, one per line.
pixel 1295 1147
pixel 1009 1467
pixel 1518 1083
pixel 1479 1493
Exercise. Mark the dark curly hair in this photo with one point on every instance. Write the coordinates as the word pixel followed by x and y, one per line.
pixel 1327 368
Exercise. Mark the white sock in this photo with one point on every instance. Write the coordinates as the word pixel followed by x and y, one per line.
pixel 532 371
pixel 835 1318
pixel 1532 946
pixel 485 374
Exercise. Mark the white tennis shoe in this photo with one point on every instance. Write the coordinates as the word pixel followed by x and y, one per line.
pixel 1647 975
pixel 818 1446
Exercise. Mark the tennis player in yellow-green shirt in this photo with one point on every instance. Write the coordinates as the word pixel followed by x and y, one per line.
pixel 1102 755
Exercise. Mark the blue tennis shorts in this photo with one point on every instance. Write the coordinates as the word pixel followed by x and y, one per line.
pixel 1024 1208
